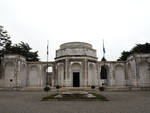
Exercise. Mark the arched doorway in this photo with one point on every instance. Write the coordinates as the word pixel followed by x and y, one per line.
pixel 103 75
pixel 76 74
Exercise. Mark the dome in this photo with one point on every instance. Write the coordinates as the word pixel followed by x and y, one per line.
pixel 75 45
pixel 76 49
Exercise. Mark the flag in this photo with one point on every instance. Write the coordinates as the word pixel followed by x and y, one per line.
pixel 103 48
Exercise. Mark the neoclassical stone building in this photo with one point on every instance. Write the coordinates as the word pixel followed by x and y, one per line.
pixel 75 65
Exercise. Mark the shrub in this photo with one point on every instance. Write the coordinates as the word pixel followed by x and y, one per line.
pixel 57 86
pixel 92 87
pixel 46 89
pixel 101 88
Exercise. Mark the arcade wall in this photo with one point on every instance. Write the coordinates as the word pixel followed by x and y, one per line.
pixel 16 72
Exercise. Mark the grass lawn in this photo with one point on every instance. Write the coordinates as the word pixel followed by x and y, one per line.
pixel 98 97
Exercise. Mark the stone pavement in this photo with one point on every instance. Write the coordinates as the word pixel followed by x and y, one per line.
pixel 120 102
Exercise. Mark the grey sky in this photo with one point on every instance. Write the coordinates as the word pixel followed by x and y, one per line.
pixel 121 23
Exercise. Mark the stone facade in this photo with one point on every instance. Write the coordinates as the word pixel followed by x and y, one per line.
pixel 75 65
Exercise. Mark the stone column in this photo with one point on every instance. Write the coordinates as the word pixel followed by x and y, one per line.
pixel 53 74
pixel 56 74
pixel 86 73
pixel 16 74
pixel 66 72
pixel 98 74
pixel 110 75
pixel 136 72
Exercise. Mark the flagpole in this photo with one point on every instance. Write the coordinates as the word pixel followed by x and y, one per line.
pixel 47 63
pixel 103 47
pixel 47 50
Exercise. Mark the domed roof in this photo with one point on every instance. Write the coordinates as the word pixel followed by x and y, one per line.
pixel 75 45
pixel 76 49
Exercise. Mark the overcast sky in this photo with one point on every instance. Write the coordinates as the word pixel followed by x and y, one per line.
pixel 121 23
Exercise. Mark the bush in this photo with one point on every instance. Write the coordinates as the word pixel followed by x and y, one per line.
pixel 92 87
pixel 101 88
pixel 57 86
pixel 46 89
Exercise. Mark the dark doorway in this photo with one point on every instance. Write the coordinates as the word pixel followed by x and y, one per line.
pixel 76 79
pixel 104 75
pixel 103 72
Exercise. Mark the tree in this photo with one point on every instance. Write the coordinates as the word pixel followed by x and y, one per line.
pixel 124 56
pixel 4 37
pixel 25 50
pixel 4 41
pixel 21 48
pixel 139 48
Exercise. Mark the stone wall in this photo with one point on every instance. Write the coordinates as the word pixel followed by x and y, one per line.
pixel 16 72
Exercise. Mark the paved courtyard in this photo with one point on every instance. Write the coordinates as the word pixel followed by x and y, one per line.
pixel 120 102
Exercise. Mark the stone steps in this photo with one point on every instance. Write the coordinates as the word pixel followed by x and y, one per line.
pixel 115 88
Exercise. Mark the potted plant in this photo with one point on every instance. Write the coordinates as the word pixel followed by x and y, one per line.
pixel 101 88
pixel 57 88
pixel 46 89
pixel 92 87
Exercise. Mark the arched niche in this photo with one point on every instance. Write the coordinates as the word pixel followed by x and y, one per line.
pixel 34 78
pixel 9 74
pixel 92 75
pixel 119 75
pixel 144 74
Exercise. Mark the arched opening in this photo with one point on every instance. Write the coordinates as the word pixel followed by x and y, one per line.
pixel 76 75
pixel 103 72
pixel 48 75
pixel 103 75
